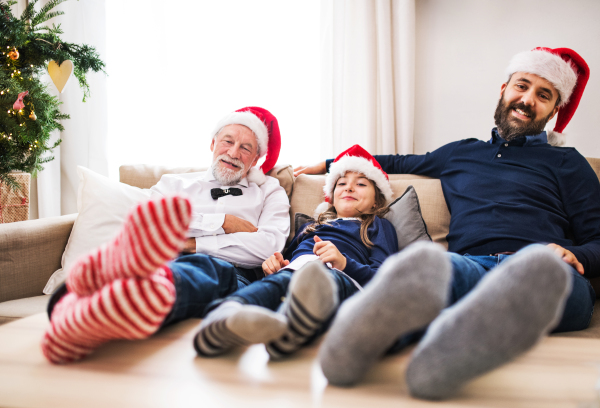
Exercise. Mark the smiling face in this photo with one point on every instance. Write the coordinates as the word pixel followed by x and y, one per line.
pixel 353 194
pixel 235 152
pixel 527 102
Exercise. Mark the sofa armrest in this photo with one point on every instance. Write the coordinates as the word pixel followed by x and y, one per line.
pixel 30 251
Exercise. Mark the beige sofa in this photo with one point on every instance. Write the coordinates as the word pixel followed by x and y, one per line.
pixel 30 251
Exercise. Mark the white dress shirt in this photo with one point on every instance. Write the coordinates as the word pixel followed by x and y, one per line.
pixel 266 207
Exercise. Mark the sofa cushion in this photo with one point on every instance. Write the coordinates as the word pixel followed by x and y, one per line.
pixel 406 217
pixel 16 309
pixel 102 204
pixel 30 251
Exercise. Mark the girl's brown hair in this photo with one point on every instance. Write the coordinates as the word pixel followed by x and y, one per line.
pixel 366 218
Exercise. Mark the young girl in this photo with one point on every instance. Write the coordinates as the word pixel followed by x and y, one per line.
pixel 349 236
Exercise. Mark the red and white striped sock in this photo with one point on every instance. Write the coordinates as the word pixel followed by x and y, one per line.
pixel 129 308
pixel 122 290
pixel 153 233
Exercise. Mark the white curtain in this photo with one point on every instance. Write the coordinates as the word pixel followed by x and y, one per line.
pixel 368 71
pixel 54 192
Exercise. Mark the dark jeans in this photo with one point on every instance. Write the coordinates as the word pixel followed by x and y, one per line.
pixel 270 291
pixel 468 270
pixel 200 279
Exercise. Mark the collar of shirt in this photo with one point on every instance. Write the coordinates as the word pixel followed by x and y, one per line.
pixel 209 177
pixel 538 139
pixel 347 218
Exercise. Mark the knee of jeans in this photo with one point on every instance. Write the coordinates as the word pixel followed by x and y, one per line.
pixel 579 306
pixel 584 290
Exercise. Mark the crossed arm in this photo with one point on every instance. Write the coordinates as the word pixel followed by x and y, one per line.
pixel 232 224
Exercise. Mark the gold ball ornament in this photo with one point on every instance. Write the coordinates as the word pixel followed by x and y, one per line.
pixel 32 116
pixel 14 54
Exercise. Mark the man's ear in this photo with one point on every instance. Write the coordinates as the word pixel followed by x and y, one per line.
pixel 255 161
pixel 502 88
pixel 212 145
pixel 554 112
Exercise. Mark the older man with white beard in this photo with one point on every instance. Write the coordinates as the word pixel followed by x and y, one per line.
pixel 240 216
pixel 131 286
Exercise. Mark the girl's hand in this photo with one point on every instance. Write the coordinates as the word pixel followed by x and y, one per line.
pixel 328 252
pixel 274 263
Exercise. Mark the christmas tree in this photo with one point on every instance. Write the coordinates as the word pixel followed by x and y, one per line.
pixel 28 113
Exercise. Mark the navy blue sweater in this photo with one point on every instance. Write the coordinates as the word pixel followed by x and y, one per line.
pixel 361 262
pixel 503 195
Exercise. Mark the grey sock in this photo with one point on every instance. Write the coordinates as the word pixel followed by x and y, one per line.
pixel 233 324
pixel 408 292
pixel 311 299
pixel 505 315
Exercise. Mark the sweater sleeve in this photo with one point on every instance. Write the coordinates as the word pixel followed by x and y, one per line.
pixel 580 194
pixel 428 164
pixel 385 243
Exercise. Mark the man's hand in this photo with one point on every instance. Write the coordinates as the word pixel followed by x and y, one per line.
pixel 190 246
pixel 328 252
pixel 318 168
pixel 567 256
pixel 274 263
pixel 236 224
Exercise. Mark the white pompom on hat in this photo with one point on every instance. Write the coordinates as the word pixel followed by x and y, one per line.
pixel 266 129
pixel 565 70
pixel 358 160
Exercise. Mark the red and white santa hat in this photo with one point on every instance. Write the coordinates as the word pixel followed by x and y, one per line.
pixel 563 68
pixel 358 160
pixel 266 129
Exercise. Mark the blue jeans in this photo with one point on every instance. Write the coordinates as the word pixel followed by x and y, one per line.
pixel 199 279
pixel 468 270
pixel 269 291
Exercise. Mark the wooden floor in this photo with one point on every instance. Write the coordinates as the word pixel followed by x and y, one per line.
pixel 165 372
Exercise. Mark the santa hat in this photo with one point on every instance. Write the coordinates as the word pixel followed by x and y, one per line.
pixel 563 68
pixel 359 160
pixel 266 129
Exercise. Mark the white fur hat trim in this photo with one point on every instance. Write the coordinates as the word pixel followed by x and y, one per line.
pixel 550 66
pixel 321 208
pixel 255 175
pixel 360 165
pixel 252 122
pixel 555 138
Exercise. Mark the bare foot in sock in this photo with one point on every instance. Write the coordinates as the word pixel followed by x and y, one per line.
pixel 311 299
pixel 409 291
pixel 233 324
pixel 505 315
pixel 124 307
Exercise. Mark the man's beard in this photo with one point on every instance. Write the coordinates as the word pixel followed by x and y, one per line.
pixel 227 177
pixel 511 127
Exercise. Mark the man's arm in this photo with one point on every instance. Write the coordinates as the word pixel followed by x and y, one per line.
pixel 319 168
pixel 231 225
pixel 201 224
pixel 580 192
pixel 251 249
pixel 429 164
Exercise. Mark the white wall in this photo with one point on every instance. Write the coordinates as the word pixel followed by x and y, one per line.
pixel 463 47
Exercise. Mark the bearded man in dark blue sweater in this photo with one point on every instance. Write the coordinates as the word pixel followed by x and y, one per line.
pixel 506 197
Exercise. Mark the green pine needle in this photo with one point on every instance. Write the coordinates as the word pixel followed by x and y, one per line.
pixel 25 143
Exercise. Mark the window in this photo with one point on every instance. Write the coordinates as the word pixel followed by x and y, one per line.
pixel 175 70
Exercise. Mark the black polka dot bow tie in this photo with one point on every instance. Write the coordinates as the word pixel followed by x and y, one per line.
pixel 222 192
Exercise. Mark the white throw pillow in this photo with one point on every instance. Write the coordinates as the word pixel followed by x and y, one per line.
pixel 102 205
